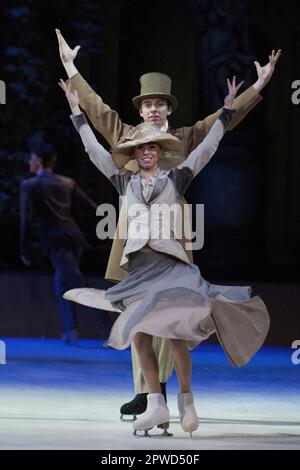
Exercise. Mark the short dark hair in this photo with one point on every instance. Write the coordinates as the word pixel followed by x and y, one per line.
pixel 46 153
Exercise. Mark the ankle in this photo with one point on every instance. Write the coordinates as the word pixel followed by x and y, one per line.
pixel 155 390
pixel 155 394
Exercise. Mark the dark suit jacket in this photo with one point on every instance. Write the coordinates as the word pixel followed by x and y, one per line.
pixel 52 198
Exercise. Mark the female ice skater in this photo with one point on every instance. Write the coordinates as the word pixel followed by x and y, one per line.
pixel 164 294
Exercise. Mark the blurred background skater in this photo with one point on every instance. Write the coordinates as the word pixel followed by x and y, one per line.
pixel 52 198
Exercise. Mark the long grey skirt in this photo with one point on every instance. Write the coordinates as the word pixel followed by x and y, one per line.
pixel 165 297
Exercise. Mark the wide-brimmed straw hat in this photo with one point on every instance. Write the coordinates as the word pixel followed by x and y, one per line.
pixel 171 147
pixel 155 85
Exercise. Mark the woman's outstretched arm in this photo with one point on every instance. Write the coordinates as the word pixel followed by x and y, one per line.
pixel 101 158
pixel 202 154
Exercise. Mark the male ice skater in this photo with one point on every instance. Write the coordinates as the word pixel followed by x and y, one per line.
pixel 52 198
pixel 155 104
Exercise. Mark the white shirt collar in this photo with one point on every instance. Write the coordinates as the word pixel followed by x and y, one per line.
pixel 165 127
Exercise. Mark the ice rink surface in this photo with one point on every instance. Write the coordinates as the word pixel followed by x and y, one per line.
pixel 54 396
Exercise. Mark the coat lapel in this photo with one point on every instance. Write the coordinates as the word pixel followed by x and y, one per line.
pixel 136 188
pixel 159 186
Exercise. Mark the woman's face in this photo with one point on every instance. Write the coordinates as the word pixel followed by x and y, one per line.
pixel 147 155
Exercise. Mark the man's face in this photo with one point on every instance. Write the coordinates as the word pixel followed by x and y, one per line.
pixel 35 163
pixel 147 155
pixel 155 111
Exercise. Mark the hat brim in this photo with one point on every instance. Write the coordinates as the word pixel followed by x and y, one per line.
pixel 172 150
pixel 166 141
pixel 137 100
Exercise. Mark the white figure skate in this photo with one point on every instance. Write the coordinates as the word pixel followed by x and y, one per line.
pixel 156 414
pixel 188 416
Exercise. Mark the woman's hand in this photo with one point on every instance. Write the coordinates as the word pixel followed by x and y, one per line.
pixel 232 92
pixel 71 95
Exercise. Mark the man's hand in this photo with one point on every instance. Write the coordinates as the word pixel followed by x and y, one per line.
pixel 71 95
pixel 232 92
pixel 26 260
pixel 67 54
pixel 265 73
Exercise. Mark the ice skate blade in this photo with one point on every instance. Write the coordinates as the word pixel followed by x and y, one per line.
pixel 190 431
pixel 128 420
pixel 146 433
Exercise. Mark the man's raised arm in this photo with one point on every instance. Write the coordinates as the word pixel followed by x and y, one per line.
pixel 67 55
pixel 250 97
pixel 104 119
pixel 202 154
